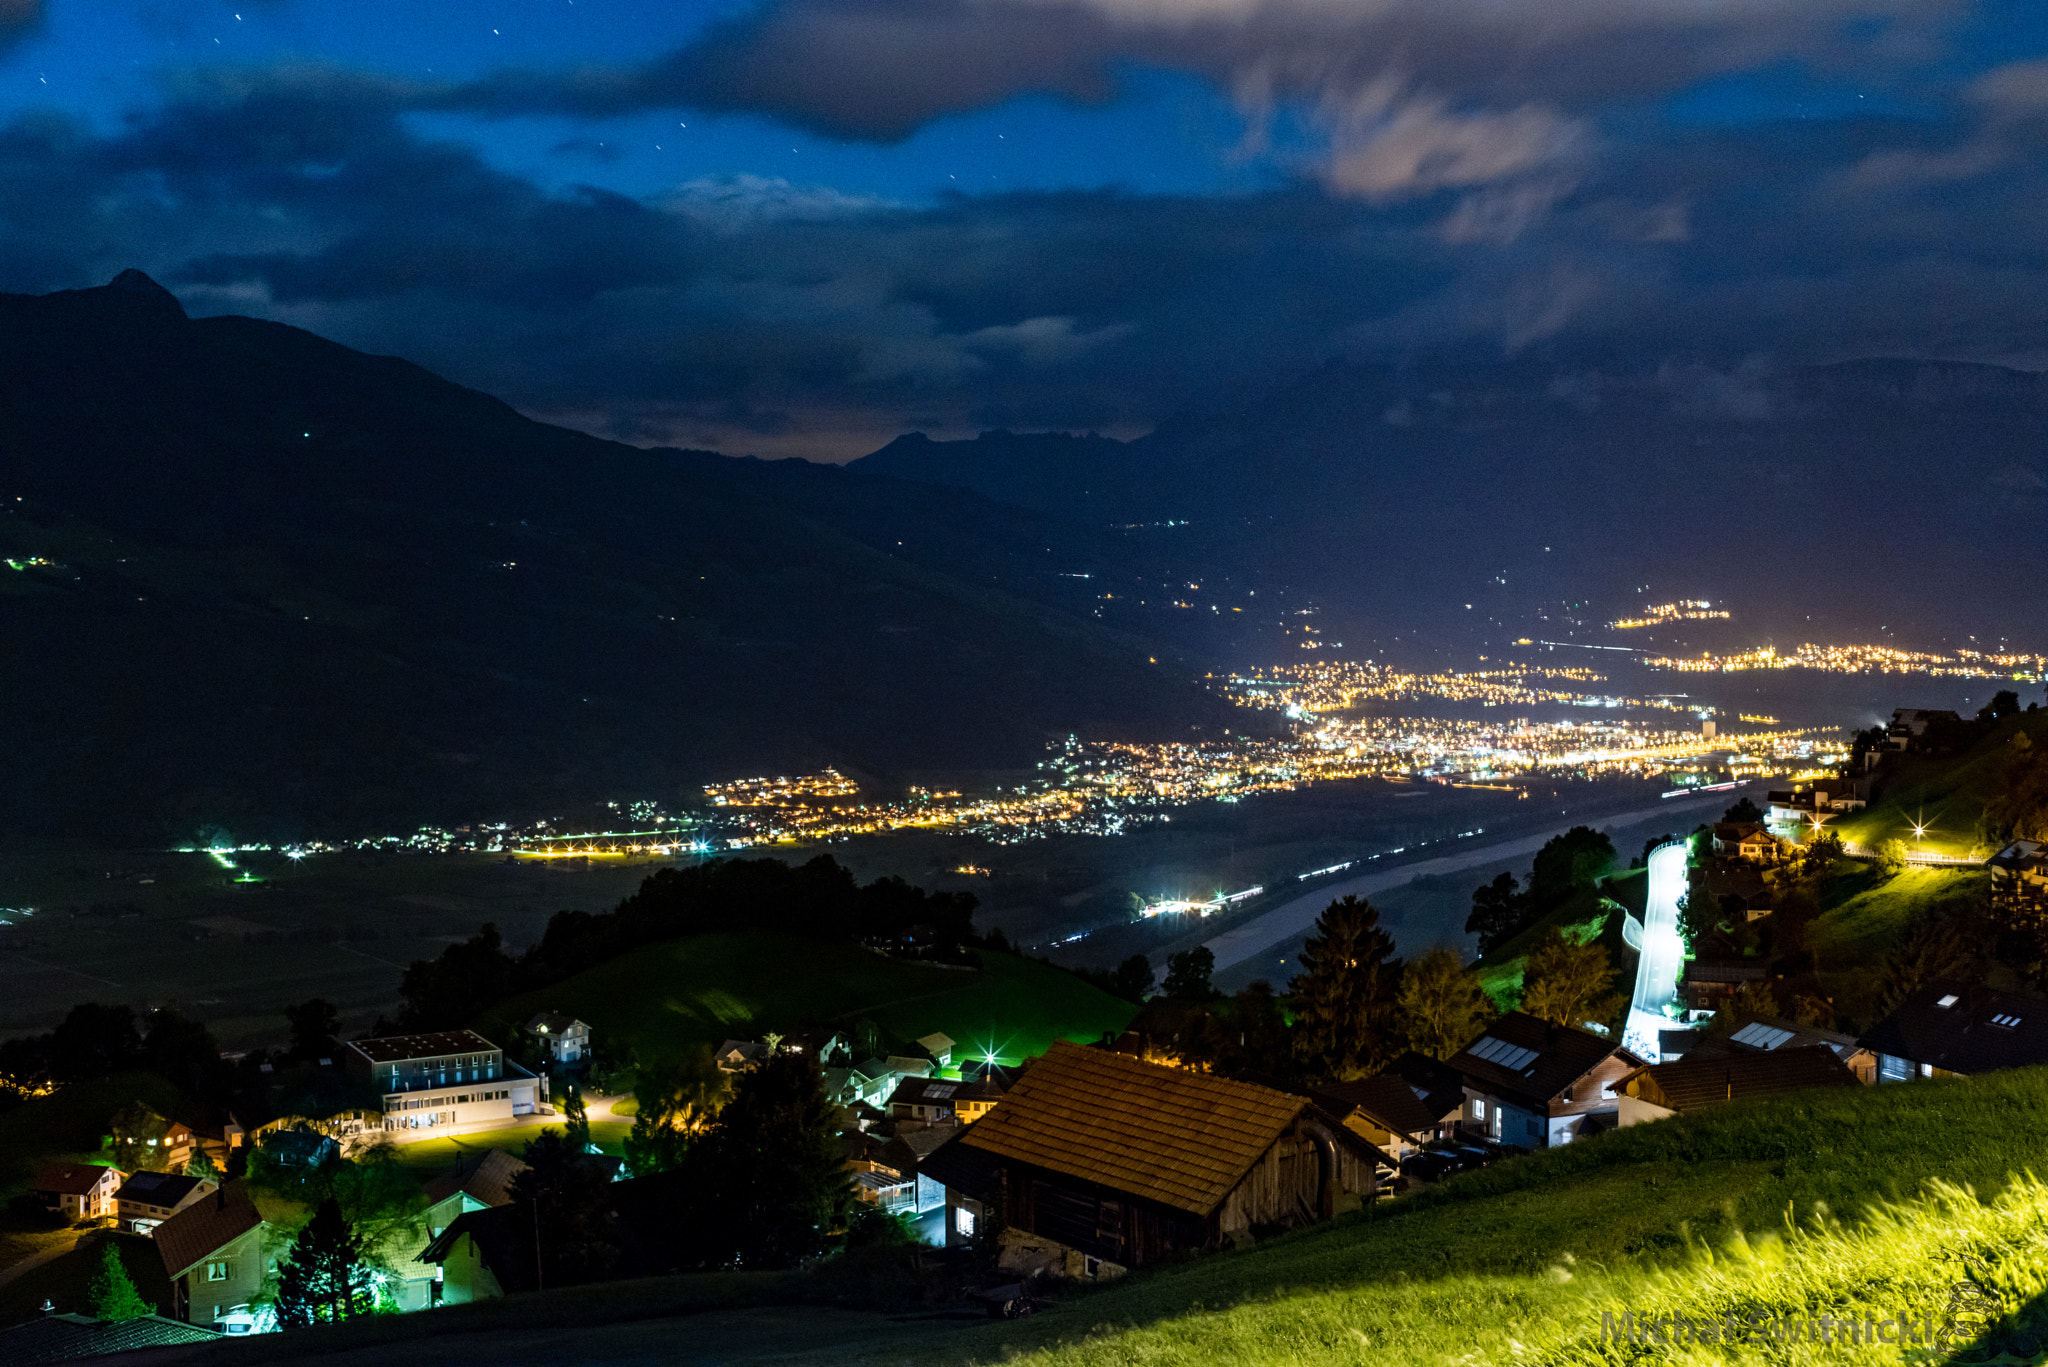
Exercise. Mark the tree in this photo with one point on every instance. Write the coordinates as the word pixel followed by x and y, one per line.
pixel 769 1169
pixel 2004 703
pixel 181 1051
pixel 93 1041
pixel 315 1031
pixel 1566 864
pixel 114 1296
pixel 1570 984
pixel 324 1278
pixel 139 1139
pixel 467 979
pixel 1346 1013
pixel 576 1118
pixel 1744 812
pixel 1133 978
pixel 1443 1006
pixel 1891 856
pixel 1695 920
pixel 202 1166
pixel 1498 913
pixel 1187 976
pixel 572 1222
pixel 677 1099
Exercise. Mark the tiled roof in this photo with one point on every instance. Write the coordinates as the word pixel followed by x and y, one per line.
pixel 1388 1098
pixel 942 1091
pixel 553 1022
pixel 1765 1034
pixel 1533 1060
pixel 207 1225
pixel 66 1338
pixel 1690 1082
pixel 1978 1031
pixel 1181 1139
pixel 69 1179
pixel 433 1044
pixel 486 1176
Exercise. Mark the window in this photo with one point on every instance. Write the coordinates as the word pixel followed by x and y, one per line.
pixel 1946 1002
pixel 2006 1019
pixel 963 1222
pixel 216 1272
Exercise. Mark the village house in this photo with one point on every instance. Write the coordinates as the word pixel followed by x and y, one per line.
pixel 1533 1083
pixel 2019 874
pixel 1706 984
pixel 1910 725
pixel 445 1079
pixel 564 1039
pixel 1812 803
pixel 77 1191
pixel 482 1181
pixel 1413 1101
pixel 943 1101
pixel 1951 1029
pixel 939 1047
pixel 1709 1078
pixel 1749 841
pixel 1766 1034
pixel 741 1055
pixel 214 1253
pixel 1095 1163
pixel 147 1199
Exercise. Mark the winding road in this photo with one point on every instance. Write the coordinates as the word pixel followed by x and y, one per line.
pixel 1662 953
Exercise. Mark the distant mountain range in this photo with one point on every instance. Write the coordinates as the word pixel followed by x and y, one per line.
pixel 261 583
pixel 1871 494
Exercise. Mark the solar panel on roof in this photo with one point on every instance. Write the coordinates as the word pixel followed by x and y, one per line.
pixel 1760 1036
pixel 941 1093
pixel 1499 1052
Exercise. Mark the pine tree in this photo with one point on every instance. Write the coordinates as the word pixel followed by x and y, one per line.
pixel 1346 1017
pixel 114 1296
pixel 576 1118
pixel 324 1279
pixel 774 1179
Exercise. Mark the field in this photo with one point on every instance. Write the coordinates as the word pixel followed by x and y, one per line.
pixel 429 1156
pixel 707 988
pixel 156 927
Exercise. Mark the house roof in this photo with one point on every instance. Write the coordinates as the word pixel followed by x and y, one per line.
pixel 1390 1099
pixel 65 1338
pixel 503 1239
pixel 432 1044
pixel 973 1172
pixel 1766 1034
pixel 1181 1139
pixel 205 1227
pixel 157 1188
pixel 1533 1060
pixel 936 1043
pixel 1965 1029
pixel 551 1022
pixel 942 1091
pixel 70 1179
pixel 1690 1082
pixel 1724 971
pixel 485 1177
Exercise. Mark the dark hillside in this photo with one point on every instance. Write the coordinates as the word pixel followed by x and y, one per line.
pixel 270 584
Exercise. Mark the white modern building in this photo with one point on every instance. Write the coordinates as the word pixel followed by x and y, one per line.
pixel 445 1078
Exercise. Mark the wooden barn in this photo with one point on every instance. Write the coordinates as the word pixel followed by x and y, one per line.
pixel 1124 1163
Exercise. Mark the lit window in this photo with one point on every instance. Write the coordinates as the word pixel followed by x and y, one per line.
pixel 963 1222
pixel 2005 1019
pixel 1946 1002
pixel 216 1272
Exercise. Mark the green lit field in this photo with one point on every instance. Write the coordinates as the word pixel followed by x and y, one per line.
pixel 433 1155
pixel 707 988
pixel 1942 795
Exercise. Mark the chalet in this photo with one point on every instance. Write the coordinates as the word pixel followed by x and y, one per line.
pixel 2019 873
pixel 1732 879
pixel 939 1047
pixel 1530 1082
pixel 1748 841
pixel 1813 803
pixel 1768 1034
pixel 884 1171
pixel 1706 984
pixel 564 1039
pixel 1707 1079
pixel 214 1252
pixel 1095 1163
pixel 483 1181
pixel 77 1191
pixel 217 1139
pixel 1411 1102
pixel 482 1255
pixel 1910 725
pixel 1950 1029
pixel 147 1199
pixel 942 1101
pixel 445 1078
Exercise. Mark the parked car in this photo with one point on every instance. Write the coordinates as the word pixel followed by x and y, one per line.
pixel 1428 1167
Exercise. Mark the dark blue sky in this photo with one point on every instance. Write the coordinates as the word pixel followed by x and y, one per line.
pixel 801 226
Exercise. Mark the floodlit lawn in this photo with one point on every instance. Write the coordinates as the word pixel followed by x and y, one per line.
pixel 703 989
pixel 1868 917
pixel 438 1153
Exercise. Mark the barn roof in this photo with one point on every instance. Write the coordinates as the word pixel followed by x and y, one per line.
pixel 1181 1139
pixel 1687 1083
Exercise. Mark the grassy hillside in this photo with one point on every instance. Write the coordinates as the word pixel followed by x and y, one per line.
pixel 1865 917
pixel 707 988
pixel 1945 794
pixel 1511 1264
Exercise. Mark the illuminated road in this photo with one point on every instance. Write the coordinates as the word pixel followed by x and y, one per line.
pixel 1290 919
pixel 1663 952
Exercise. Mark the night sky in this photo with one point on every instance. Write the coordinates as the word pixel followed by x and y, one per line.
pixel 803 226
